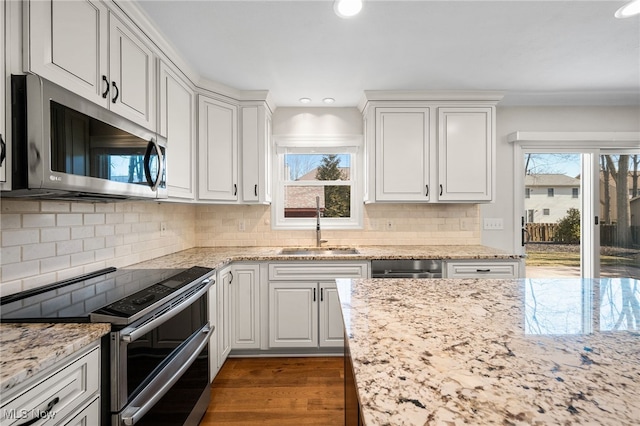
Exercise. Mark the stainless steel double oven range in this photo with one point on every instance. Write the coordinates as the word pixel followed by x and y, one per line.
pixel 155 364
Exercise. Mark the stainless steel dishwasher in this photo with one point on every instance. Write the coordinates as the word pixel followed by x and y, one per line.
pixel 406 268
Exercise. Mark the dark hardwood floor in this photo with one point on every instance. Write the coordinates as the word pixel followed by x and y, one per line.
pixel 278 391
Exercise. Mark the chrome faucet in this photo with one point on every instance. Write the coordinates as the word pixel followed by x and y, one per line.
pixel 319 239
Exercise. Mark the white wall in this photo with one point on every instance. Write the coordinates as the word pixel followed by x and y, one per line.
pixel 317 121
pixel 560 119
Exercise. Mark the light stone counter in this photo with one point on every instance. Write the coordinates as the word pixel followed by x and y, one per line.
pixel 511 352
pixel 218 257
pixel 27 349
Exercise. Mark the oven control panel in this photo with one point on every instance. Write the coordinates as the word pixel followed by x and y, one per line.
pixel 139 301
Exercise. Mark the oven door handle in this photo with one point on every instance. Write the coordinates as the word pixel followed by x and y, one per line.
pixel 132 414
pixel 133 333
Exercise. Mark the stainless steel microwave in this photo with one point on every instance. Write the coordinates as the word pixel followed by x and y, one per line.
pixel 66 147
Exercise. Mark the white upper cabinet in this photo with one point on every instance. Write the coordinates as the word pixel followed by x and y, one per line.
pixel 131 70
pixel 82 46
pixel 217 150
pixel 466 153
pixel 176 121
pixel 256 154
pixel 68 44
pixel 402 154
pixel 430 150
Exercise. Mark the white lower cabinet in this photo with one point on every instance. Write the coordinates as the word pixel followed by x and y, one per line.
pixel 214 365
pixel 330 316
pixel 224 281
pixel 482 269
pixel 293 315
pixel 66 394
pixel 304 310
pixel 245 306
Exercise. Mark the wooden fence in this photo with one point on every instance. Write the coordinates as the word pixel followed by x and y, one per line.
pixel 546 232
pixel 541 232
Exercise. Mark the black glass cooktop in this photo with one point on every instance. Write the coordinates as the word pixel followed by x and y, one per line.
pixel 120 293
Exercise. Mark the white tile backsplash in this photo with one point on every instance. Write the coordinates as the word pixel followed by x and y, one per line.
pixel 47 241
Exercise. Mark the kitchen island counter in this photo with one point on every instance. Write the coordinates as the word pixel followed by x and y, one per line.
pixel 481 351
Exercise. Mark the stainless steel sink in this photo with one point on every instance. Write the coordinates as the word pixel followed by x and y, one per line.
pixel 317 251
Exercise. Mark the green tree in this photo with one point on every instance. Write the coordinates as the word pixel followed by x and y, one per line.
pixel 569 228
pixel 337 201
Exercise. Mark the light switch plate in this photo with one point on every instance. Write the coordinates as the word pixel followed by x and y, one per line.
pixel 493 223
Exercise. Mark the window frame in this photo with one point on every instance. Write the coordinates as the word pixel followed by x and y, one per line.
pixel 339 144
pixel 551 192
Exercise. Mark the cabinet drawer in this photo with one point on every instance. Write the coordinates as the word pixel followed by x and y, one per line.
pixel 86 416
pixel 57 395
pixel 313 271
pixel 482 270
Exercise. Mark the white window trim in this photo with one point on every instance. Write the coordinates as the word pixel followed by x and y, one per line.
pixel 590 145
pixel 351 144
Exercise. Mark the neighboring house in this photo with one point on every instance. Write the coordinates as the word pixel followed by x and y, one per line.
pixel 548 197
pixel 300 201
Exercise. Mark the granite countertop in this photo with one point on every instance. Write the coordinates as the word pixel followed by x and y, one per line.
pixel 476 351
pixel 27 349
pixel 218 257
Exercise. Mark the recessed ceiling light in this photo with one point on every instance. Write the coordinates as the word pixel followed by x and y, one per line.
pixel 347 8
pixel 328 100
pixel 304 100
pixel 630 9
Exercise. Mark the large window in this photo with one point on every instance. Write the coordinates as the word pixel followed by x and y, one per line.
pixel 317 177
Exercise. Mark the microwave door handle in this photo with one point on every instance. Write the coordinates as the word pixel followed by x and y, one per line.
pixel 3 153
pixel 153 184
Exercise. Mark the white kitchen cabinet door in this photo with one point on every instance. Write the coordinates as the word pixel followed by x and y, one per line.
pixel 214 365
pixel 293 315
pixel 402 154
pixel 245 307
pixel 68 42
pixel 224 283
pixel 256 154
pixel 330 316
pixel 132 75
pixel 217 150
pixel 177 123
pixel 466 151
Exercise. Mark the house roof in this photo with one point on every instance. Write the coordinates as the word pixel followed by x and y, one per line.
pixel 550 180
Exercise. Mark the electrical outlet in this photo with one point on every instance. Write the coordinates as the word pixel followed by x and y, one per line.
pixel 493 223
pixel 163 229
pixel 241 225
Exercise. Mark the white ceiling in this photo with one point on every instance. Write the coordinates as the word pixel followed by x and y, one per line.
pixel 538 52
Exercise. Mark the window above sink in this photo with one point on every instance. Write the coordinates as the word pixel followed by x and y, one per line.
pixel 325 167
